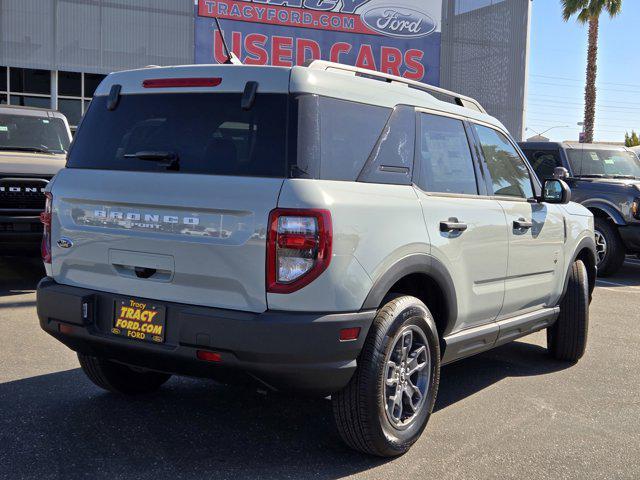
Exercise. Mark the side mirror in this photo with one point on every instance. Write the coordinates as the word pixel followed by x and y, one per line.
pixel 560 173
pixel 555 190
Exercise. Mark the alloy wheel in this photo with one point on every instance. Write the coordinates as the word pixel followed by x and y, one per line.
pixel 407 375
pixel 601 246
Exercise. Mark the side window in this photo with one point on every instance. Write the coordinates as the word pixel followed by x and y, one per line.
pixel 543 162
pixel 508 171
pixel 446 164
pixel 337 136
pixel 391 160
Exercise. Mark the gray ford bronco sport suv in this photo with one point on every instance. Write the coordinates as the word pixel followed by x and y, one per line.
pixel 319 229
pixel 606 180
pixel 33 144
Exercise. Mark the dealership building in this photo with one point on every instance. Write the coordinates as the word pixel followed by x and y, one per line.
pixel 53 53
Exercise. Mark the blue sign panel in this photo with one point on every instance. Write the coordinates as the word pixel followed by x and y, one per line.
pixel 401 37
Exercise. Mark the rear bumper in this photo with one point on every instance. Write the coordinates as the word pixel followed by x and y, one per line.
pixel 288 351
pixel 631 237
pixel 20 234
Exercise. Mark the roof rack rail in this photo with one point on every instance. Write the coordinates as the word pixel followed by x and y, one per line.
pixel 458 99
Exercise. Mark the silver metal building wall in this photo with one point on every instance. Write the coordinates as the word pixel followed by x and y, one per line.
pixel 97 36
pixel 484 54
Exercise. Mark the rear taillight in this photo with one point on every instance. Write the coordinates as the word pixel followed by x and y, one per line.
pixel 45 218
pixel 298 248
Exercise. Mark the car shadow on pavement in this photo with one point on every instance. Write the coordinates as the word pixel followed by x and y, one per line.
pixel 627 276
pixel 517 359
pixel 61 426
pixel 19 275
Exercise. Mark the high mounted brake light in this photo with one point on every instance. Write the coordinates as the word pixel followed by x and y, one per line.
pixel 181 82
pixel 45 218
pixel 298 248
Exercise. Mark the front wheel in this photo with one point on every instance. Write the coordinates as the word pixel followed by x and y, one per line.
pixel 386 405
pixel 118 378
pixel 609 247
pixel 567 337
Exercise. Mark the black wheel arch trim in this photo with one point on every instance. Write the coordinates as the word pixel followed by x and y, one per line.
pixel 610 210
pixel 411 264
pixel 589 244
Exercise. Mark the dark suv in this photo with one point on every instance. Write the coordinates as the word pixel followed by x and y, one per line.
pixel 606 180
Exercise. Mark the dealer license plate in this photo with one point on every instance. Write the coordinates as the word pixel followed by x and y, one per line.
pixel 139 320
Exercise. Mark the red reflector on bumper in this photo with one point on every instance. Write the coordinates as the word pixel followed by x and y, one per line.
pixel 66 329
pixel 348 334
pixel 208 356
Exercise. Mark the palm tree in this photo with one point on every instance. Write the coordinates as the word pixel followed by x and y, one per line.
pixel 588 12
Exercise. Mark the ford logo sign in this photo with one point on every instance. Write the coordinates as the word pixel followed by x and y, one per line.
pixel 399 22
pixel 65 243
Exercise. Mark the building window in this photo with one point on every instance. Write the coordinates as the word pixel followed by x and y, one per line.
pixel 75 91
pixel 30 101
pixel 91 82
pixel 32 88
pixel 70 83
pixel 3 79
pixel 72 109
pixel 28 80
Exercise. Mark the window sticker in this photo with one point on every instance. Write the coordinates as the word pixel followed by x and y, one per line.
pixel 594 157
pixel 609 161
pixel 45 121
pixel 4 128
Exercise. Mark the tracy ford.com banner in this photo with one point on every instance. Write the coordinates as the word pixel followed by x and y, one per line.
pixel 401 37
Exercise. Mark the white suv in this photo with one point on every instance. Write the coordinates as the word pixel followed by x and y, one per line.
pixel 321 229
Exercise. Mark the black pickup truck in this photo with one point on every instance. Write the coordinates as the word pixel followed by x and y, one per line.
pixel 606 180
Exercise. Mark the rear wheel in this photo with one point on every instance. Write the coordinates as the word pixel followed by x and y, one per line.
pixel 609 247
pixel 118 378
pixel 389 400
pixel 567 337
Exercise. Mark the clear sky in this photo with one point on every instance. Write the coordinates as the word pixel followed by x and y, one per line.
pixel 557 65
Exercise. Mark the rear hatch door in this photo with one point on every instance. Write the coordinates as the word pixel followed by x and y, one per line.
pixel 167 196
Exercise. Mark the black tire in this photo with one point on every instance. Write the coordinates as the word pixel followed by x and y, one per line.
pixel 615 254
pixel 567 337
pixel 360 410
pixel 118 378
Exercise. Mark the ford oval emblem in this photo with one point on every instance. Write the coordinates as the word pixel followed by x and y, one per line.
pixel 65 243
pixel 399 22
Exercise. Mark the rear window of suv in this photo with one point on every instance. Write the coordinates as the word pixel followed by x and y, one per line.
pixel 207 134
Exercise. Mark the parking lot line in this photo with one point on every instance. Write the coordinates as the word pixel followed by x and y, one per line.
pixel 606 282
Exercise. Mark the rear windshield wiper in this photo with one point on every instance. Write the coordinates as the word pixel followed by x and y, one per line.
pixel 166 159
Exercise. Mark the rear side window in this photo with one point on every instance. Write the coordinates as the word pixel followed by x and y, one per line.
pixel 446 164
pixel 509 174
pixel 544 162
pixel 207 133
pixel 336 136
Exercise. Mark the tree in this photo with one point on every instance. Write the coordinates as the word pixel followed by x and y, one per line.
pixel 631 140
pixel 588 12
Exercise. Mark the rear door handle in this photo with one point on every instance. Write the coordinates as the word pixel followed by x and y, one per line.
pixel 452 225
pixel 522 224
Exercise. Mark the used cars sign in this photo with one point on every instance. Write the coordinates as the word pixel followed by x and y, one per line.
pixel 400 37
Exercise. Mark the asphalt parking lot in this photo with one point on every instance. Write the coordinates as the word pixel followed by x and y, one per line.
pixel 509 413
